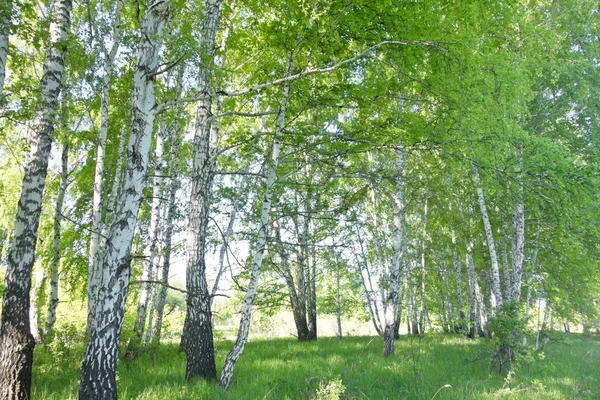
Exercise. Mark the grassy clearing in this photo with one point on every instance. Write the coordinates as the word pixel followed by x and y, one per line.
pixel 444 367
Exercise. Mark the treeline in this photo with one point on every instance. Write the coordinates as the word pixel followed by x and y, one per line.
pixel 429 164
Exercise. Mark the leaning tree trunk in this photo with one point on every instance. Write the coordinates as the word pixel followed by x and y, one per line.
pixel 261 242
pixel 95 254
pixel 490 241
pixel 197 337
pixel 54 263
pixel 16 342
pixel 395 279
pixel 518 254
pixel 98 374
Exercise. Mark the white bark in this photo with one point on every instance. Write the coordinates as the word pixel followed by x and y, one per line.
pixel 261 242
pixel 162 291
pixel 399 234
pixel 5 16
pixel 369 290
pixel 34 311
pixel 339 302
pixel 423 311
pixel 506 286
pixel 98 377
pixel 490 240
pixel 150 250
pixel 56 250
pixel 458 275
pixel 95 253
pixel 518 254
pixel 475 316
pixel 16 343
pixel 237 204
pixel 235 208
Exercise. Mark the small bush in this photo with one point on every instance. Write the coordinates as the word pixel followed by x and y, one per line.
pixel 330 390
pixel 508 329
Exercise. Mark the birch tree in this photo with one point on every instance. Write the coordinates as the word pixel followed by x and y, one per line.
pixel 5 25
pixel 519 234
pixel 98 201
pixel 98 375
pixel 261 242
pixel 395 279
pixel 16 342
pixel 197 336
pixel 150 250
pixel 56 253
pixel 489 234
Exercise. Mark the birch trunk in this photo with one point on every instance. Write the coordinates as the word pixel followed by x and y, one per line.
pixel 16 342
pixel 413 307
pixel 518 254
pixel 298 307
pixel 162 291
pixel 490 241
pixel 150 250
pixel 199 349
pixel 5 16
pixel 402 274
pixel 372 303
pixel 236 206
pixel 34 309
pixel 474 317
pixel 215 127
pixel 529 281
pixel 311 299
pixel 56 250
pixel 423 248
pixel 459 283
pixel 391 305
pixel 114 192
pixel 308 288
pixel 98 375
pixel 339 303
pixel 271 178
pixel 95 253
pixel 506 286
pixel 168 238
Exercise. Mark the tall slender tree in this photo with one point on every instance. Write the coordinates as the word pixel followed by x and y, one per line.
pixel 99 369
pixel 16 342
pixel 197 336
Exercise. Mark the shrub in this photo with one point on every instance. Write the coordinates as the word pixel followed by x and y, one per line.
pixel 508 329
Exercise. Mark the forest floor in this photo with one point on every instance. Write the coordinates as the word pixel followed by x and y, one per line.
pixel 434 366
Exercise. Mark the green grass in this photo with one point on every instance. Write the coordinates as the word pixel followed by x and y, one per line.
pixel 285 369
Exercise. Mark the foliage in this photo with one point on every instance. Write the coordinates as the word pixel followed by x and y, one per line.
pixel 508 326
